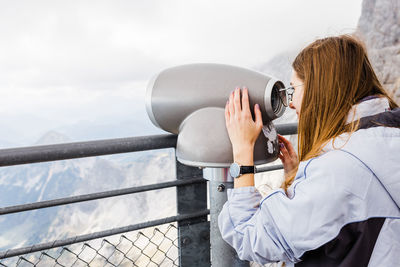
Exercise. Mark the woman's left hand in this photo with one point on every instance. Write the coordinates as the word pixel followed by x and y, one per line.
pixel 288 156
pixel 242 129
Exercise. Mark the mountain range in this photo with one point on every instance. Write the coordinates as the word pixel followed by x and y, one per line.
pixel 44 181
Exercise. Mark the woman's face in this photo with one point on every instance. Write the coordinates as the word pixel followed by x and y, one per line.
pixel 298 92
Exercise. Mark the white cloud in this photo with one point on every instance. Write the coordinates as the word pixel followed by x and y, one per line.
pixel 84 60
pixel 83 42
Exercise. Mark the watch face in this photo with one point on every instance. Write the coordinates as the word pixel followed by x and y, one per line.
pixel 234 170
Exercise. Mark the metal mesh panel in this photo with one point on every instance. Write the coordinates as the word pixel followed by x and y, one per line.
pixel 155 246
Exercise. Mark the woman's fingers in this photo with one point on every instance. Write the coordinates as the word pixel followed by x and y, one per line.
pixel 236 100
pixel 258 116
pixel 283 139
pixel 245 101
pixel 243 131
pixel 287 144
pixel 287 155
pixel 282 158
pixel 239 105
pixel 284 151
pixel 231 107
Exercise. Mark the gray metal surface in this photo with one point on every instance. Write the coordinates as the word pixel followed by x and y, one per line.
pixel 217 174
pixel 222 254
pixel 268 168
pixel 77 239
pixel 194 233
pixel 176 92
pixel 287 128
pixel 15 156
pixel 99 195
pixel 205 143
pixel 194 244
pixel 189 100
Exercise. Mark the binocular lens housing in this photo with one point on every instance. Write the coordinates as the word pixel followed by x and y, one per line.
pixel 275 99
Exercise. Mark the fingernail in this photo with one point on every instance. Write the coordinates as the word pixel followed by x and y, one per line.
pixel 281 145
pixel 257 106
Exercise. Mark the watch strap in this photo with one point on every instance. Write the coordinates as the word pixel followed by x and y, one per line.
pixel 246 169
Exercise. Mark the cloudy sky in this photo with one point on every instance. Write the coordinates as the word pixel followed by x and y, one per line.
pixel 81 67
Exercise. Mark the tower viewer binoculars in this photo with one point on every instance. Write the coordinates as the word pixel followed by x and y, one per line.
pixel 189 101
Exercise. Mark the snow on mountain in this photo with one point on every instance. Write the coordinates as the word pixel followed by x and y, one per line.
pixel 52 137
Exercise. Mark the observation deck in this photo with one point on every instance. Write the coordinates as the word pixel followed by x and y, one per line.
pixel 182 239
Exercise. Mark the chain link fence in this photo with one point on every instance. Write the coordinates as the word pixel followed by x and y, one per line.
pixel 154 246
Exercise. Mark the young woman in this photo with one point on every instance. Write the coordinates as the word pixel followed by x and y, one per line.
pixel 339 205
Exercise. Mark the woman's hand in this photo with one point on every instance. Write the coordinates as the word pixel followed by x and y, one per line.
pixel 287 155
pixel 242 129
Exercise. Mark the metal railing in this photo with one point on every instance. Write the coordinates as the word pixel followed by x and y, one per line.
pixel 191 223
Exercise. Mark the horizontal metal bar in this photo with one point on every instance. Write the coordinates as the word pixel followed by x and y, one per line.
pixel 99 195
pixel 269 168
pixel 287 128
pixel 82 238
pixel 33 154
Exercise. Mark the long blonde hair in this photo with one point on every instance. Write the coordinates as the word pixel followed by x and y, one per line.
pixel 336 74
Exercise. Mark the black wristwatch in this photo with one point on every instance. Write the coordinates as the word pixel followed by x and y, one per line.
pixel 236 170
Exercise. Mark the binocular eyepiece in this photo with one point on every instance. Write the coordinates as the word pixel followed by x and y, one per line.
pixel 189 101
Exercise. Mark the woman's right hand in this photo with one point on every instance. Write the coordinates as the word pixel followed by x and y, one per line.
pixel 243 131
pixel 287 155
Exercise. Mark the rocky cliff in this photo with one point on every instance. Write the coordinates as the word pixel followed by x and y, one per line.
pixel 379 28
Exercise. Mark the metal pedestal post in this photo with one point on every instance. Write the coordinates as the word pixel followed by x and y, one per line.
pixel 222 254
pixel 194 233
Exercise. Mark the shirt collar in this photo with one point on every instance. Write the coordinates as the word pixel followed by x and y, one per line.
pixel 368 107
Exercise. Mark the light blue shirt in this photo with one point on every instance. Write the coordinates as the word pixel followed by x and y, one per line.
pixel 355 179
